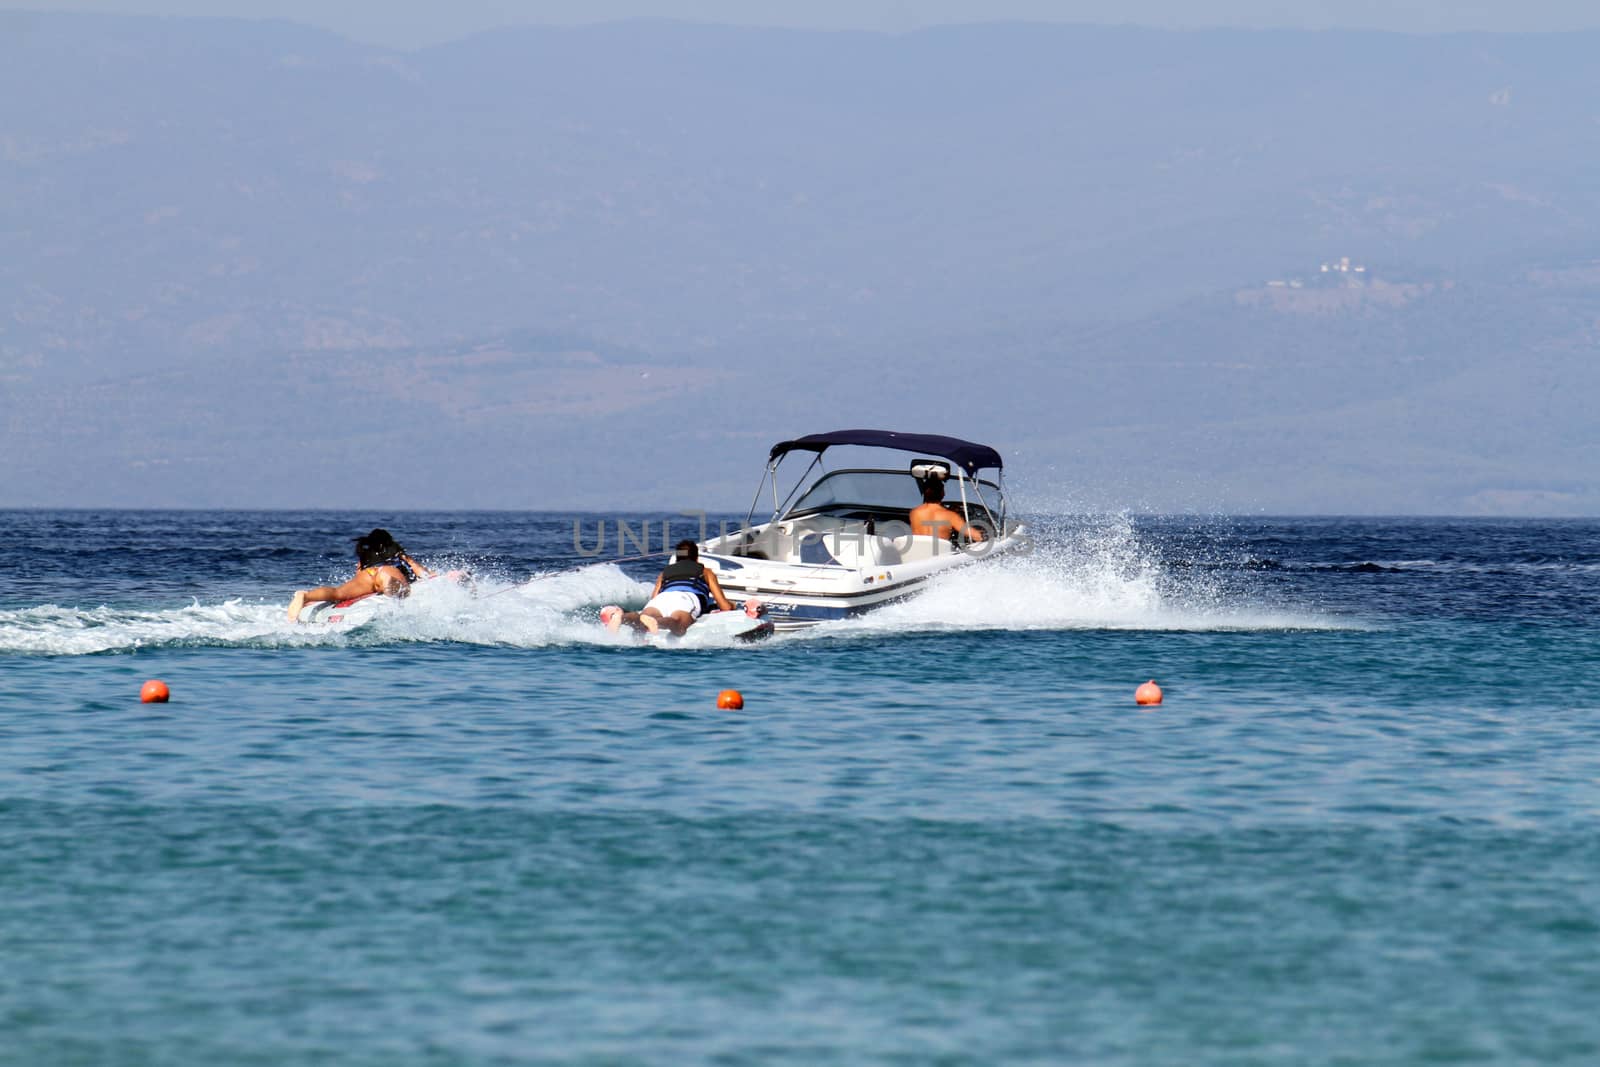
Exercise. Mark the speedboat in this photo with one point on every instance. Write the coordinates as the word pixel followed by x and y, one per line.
pixel 840 542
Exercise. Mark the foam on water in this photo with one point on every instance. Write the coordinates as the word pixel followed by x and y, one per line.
pixel 1094 575
pixel 545 610
pixel 914 844
pixel 554 608
pixel 61 631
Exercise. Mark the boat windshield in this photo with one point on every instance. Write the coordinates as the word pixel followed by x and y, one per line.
pixel 870 490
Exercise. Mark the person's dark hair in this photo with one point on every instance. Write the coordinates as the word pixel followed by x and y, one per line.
pixel 366 555
pixel 377 548
pixel 932 490
pixel 686 550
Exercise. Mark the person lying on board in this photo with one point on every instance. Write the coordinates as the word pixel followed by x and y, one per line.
pixel 685 590
pixel 385 570
pixel 932 517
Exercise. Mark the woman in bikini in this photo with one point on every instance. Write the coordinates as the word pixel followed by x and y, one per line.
pixel 385 570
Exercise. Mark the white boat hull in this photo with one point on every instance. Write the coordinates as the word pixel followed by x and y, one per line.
pixel 841 542
pixel 796 595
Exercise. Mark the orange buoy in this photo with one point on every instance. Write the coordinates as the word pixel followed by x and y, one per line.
pixel 731 699
pixel 154 692
pixel 1148 693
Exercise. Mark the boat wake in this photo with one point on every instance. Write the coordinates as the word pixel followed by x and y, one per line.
pixel 551 609
pixel 1092 575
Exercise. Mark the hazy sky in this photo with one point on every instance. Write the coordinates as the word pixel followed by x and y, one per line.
pixel 408 25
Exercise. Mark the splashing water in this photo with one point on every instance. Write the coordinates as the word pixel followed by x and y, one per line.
pixel 1092 573
pixel 546 610
pixel 1085 574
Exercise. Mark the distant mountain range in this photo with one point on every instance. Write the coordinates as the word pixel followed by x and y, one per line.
pixel 252 263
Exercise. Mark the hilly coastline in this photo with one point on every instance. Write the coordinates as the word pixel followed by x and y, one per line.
pixel 1128 258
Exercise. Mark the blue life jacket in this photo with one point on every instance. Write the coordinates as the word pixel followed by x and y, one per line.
pixel 689 576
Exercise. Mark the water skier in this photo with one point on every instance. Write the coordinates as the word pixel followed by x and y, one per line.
pixel 386 570
pixel 685 590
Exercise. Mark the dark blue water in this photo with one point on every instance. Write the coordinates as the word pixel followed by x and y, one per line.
pixel 1363 827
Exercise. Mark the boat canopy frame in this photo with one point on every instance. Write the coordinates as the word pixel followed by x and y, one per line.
pixel 968 457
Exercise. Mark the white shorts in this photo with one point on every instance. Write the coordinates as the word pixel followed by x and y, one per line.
pixel 674 600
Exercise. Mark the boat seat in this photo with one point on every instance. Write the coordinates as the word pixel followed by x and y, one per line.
pixel 815 537
pixel 814 550
pixel 886 551
pixel 914 548
pixel 826 541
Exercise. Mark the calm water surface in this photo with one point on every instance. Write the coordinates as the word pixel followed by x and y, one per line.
pixel 1364 827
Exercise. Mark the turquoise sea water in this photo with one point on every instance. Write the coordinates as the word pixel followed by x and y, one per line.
pixel 1363 827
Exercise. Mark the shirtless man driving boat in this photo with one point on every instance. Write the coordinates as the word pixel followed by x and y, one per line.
pixel 932 517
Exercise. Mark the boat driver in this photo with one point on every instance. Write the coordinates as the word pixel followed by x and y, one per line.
pixel 385 570
pixel 932 517
pixel 685 590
